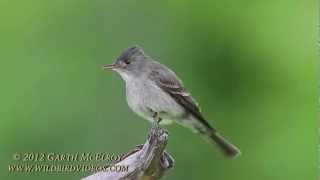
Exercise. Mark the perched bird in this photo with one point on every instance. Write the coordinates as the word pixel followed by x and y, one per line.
pixel 155 92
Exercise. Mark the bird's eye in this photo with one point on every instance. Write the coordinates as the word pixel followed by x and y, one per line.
pixel 127 62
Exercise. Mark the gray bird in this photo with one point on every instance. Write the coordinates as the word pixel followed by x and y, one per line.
pixel 155 92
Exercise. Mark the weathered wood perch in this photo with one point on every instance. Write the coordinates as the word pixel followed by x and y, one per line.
pixel 146 162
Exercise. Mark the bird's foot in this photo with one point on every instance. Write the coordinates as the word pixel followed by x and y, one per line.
pixel 156 117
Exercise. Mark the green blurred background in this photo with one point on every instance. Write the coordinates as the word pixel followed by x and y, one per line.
pixel 250 64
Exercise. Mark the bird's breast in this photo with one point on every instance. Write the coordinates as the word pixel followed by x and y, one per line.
pixel 145 95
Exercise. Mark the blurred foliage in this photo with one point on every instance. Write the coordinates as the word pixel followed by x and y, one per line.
pixel 250 64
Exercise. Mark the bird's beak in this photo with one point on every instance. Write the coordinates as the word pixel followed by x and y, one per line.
pixel 109 66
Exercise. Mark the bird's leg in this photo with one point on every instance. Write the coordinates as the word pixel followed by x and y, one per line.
pixel 159 120
pixel 156 117
pixel 156 121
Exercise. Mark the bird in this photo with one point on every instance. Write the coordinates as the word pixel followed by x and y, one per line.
pixel 156 93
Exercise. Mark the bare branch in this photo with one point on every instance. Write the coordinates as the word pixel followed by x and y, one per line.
pixel 147 162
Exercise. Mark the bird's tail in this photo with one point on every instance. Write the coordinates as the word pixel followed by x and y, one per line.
pixel 227 148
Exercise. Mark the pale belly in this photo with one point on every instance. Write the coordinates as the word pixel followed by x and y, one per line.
pixel 145 98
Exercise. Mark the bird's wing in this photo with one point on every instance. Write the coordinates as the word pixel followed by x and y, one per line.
pixel 171 84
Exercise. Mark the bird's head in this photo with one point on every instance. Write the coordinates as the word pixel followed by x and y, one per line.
pixel 129 63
